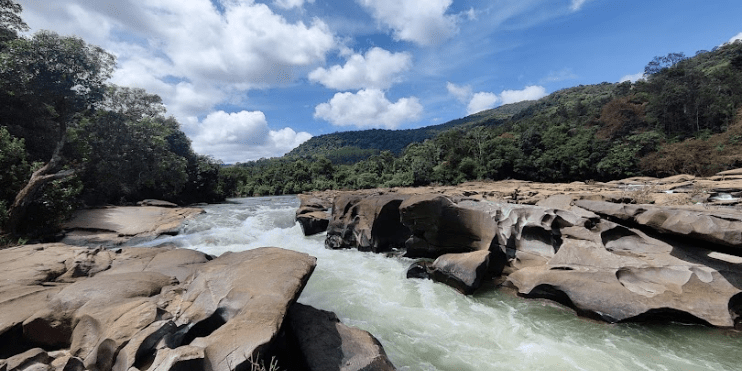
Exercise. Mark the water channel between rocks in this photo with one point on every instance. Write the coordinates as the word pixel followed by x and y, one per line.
pixel 427 326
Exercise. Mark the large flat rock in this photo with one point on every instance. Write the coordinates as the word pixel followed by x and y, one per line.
pixel 131 221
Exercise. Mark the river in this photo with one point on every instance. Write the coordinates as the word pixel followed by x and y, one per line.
pixel 427 326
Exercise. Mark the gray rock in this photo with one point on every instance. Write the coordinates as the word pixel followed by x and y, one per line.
pixel 313 222
pixel 367 223
pixel 329 345
pixel 721 228
pixel 464 272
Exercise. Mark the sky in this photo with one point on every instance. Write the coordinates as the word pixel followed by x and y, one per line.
pixel 250 79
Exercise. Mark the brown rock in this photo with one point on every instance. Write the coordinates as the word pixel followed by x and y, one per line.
pixel 169 261
pixel 30 276
pixel 117 225
pixel 328 345
pixel 53 325
pixel 36 358
pixel 239 318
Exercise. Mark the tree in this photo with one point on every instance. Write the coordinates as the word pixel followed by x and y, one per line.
pixel 660 63
pixel 10 20
pixel 66 77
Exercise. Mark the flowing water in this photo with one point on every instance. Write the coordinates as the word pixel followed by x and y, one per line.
pixel 427 326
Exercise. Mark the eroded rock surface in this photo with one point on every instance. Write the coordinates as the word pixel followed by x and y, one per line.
pixel 607 260
pixel 367 223
pixel 148 308
pixel 715 227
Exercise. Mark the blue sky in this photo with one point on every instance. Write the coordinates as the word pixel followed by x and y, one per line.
pixel 250 79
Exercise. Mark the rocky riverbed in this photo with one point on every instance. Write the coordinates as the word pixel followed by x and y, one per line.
pixel 97 306
pixel 640 249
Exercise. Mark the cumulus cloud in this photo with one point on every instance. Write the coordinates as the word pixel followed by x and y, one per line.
pixel 528 93
pixel 242 136
pixel 424 22
pixel 736 37
pixel 633 78
pixel 196 56
pixel 368 108
pixel 377 69
pixel 462 93
pixel 481 101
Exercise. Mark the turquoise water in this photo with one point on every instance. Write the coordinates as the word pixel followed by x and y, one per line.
pixel 428 326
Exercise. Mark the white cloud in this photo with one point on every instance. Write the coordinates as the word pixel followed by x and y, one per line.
pixel 633 78
pixel 377 69
pixel 288 4
pixel 243 136
pixel 736 37
pixel 462 93
pixel 577 4
pixel 245 45
pixel 482 101
pixel 368 108
pixel 424 22
pixel 528 93
pixel 196 57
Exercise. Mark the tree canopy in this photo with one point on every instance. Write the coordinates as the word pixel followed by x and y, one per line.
pixel 70 138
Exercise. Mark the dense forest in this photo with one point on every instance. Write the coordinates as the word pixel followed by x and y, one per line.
pixel 682 117
pixel 68 138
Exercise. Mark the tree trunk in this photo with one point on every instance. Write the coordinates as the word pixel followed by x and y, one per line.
pixel 24 198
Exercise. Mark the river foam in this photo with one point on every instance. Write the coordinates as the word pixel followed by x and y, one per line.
pixel 427 326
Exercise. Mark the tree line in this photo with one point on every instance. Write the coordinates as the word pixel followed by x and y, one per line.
pixel 69 138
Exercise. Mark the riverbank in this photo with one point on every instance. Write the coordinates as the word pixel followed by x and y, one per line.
pixel 93 306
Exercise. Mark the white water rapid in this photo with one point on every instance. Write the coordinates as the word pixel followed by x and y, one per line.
pixel 427 326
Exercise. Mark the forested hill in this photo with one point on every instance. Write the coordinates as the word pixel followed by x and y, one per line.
pixel 352 146
pixel 684 116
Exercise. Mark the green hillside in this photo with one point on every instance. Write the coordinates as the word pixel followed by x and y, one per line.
pixel 683 117
pixel 352 146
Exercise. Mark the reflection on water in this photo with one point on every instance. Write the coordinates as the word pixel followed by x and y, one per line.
pixel 428 326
